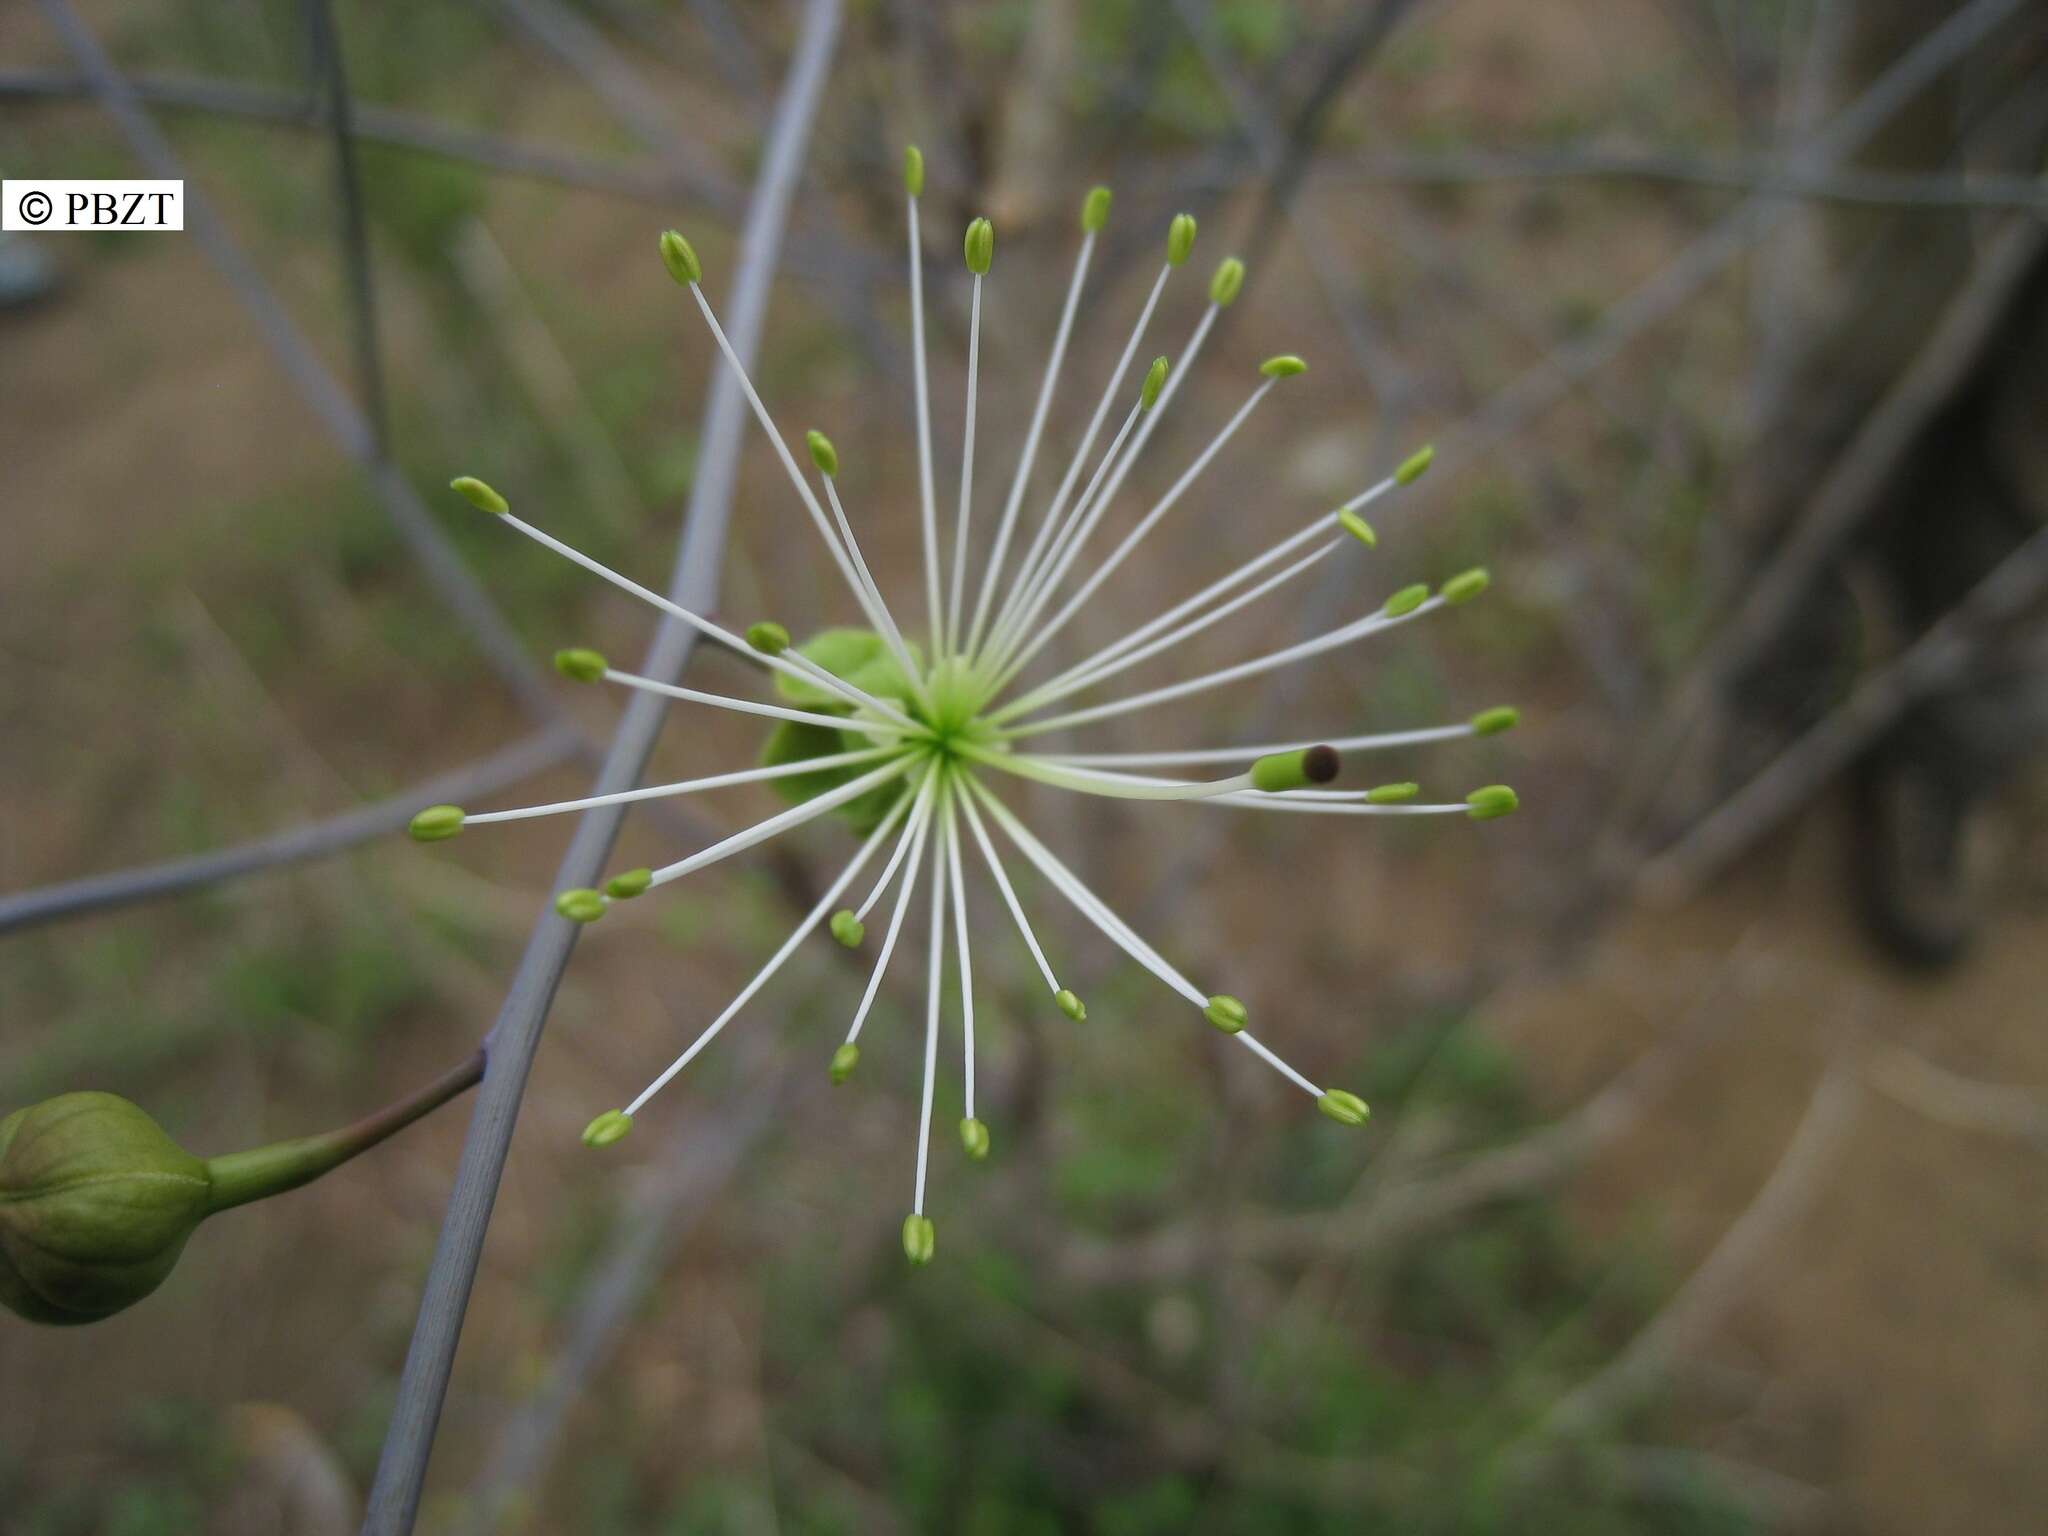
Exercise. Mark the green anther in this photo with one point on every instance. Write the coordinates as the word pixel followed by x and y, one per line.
pixel 1226 1013
pixel 918 1238
pixel 848 929
pixel 680 259
pixel 823 454
pixel 1227 283
pixel 1095 210
pixel 1358 528
pixel 581 905
pixel 1344 1108
pixel 1491 722
pixel 844 1060
pixel 1180 238
pixel 607 1128
pixel 581 664
pixel 1412 467
pixel 1295 770
pixel 1391 794
pixel 1285 366
pixel 768 637
pixel 1407 600
pixel 624 887
pixel 437 823
pixel 479 495
pixel 1466 585
pixel 1491 802
pixel 1071 1005
pixel 980 246
pixel 913 170
pixel 974 1137
pixel 1155 381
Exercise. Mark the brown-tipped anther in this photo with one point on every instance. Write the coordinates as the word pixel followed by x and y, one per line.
pixel 1319 765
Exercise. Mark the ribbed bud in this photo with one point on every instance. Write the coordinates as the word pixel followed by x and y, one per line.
pixel 1228 282
pixel 1226 1013
pixel 980 247
pixel 1413 467
pixel 437 823
pixel 1285 366
pixel 1392 794
pixel 1407 600
pixel 581 664
pixel 1466 585
pixel 1358 528
pixel 918 1238
pixel 844 1060
pixel 1155 381
pixel 607 1128
pixel 479 495
pixel 913 170
pixel 1071 1005
pixel 1492 802
pixel 974 1137
pixel 1095 210
pixel 1491 722
pixel 848 929
pixel 768 637
pixel 1344 1108
pixel 680 259
pixel 580 905
pixel 1180 238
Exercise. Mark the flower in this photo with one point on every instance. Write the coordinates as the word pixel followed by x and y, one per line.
pixel 907 738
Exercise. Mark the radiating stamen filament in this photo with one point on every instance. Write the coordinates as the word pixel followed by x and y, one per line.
pixel 775 825
pixel 686 786
pixel 887 730
pixel 1002 879
pixel 878 607
pixel 924 816
pixel 959 887
pixel 927 783
pixel 931 1021
pixel 1085 781
pixel 966 474
pixel 928 497
pixel 809 921
pixel 1378 741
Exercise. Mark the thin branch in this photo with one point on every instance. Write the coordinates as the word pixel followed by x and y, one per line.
pixel 1961 1103
pixel 402 1468
pixel 297 845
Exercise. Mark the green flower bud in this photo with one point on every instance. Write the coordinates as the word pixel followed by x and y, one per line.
pixel 1344 1108
pixel 918 1238
pixel 581 664
pixel 1226 1013
pixel 1413 467
pixel 1155 381
pixel 1285 366
pixel 1407 600
pixel 1392 794
pixel 680 259
pixel 1491 722
pixel 435 824
pixel 96 1203
pixel 1180 238
pixel 768 637
pixel 1095 210
pixel 479 495
pixel 581 905
pixel 980 247
pixel 823 454
pixel 844 1060
pixel 974 1137
pixel 1295 770
pixel 607 1128
pixel 848 929
pixel 1491 802
pixel 1358 528
pixel 913 170
pixel 1225 286
pixel 633 882
pixel 1466 585
pixel 1071 1005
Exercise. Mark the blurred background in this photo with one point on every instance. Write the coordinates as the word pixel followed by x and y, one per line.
pixel 1702 1192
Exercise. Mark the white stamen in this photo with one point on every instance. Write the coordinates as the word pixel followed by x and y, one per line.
pixel 928 496
pixel 1002 879
pixel 867 998
pixel 686 786
pixel 927 782
pixel 1022 478
pixel 810 921
pixel 795 816
pixel 966 473
pixel 1358 629
pixel 959 886
pixel 931 1023
pixel 880 728
pixel 1115 786
pixel 876 606
pixel 1373 743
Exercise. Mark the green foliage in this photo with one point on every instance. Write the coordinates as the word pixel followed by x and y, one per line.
pixel 860 657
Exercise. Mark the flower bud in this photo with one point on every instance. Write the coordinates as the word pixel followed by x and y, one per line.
pixel 1226 284
pixel 823 454
pixel 1071 1004
pixel 96 1203
pixel 581 664
pixel 1358 528
pixel 1344 1108
pixel 680 259
pixel 1491 722
pixel 1095 210
pixel 435 824
pixel 980 247
pixel 581 905
pixel 848 929
pixel 479 495
pixel 974 1137
pixel 1466 585
pixel 628 884
pixel 607 1128
pixel 1492 802
pixel 768 637
pixel 918 1238
pixel 1392 794
pixel 1155 381
pixel 1415 465
pixel 1180 238
pixel 913 170
pixel 1285 366
pixel 1407 600
pixel 1226 1013
pixel 844 1060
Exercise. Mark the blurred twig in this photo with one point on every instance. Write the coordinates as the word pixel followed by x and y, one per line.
pixel 1962 1103
pixel 401 1471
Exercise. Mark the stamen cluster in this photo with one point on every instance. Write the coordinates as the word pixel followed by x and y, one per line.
pixel 906 739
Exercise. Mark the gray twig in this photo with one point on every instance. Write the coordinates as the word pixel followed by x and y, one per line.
pixel 423 1386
